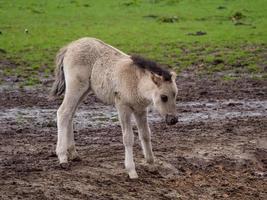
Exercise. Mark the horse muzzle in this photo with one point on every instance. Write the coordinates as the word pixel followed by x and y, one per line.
pixel 171 119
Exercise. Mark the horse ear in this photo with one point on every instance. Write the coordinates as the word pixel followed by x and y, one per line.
pixel 174 75
pixel 156 78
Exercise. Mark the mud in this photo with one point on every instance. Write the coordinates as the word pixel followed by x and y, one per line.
pixel 217 150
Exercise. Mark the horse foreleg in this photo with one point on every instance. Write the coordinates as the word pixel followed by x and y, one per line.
pixel 128 138
pixel 144 135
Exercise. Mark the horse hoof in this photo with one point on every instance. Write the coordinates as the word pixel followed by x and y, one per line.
pixel 150 161
pixel 76 159
pixel 133 175
pixel 64 165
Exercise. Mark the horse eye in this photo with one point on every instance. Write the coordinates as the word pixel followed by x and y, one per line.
pixel 164 98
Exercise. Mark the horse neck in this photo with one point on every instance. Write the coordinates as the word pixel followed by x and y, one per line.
pixel 146 88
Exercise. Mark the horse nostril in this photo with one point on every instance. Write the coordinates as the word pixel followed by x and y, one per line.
pixel 171 120
pixel 174 120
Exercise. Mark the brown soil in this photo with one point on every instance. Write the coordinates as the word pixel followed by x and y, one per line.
pixel 216 159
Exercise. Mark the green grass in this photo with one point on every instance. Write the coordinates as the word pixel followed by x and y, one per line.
pixel 32 31
pixel 254 68
pixel 228 78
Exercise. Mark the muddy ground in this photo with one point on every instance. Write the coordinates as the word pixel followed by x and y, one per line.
pixel 218 149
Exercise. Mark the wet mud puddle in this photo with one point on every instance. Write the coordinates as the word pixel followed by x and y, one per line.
pixel 100 116
pixel 216 151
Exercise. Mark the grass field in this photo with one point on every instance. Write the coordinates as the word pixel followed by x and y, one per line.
pixel 211 35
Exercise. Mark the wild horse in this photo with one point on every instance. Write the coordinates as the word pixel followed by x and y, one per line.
pixel 130 82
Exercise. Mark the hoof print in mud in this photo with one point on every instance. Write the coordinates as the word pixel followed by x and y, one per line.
pixel 76 159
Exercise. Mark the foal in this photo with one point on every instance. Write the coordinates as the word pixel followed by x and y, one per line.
pixel 129 82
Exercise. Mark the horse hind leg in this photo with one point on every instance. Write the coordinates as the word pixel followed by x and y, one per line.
pixel 72 152
pixel 76 90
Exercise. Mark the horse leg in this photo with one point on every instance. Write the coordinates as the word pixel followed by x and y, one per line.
pixel 72 152
pixel 144 135
pixel 125 114
pixel 75 92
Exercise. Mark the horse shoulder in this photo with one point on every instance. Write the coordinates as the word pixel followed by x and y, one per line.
pixel 127 80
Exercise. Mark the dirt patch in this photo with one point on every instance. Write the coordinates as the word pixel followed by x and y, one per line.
pixel 12 96
pixel 7 64
pixel 208 160
pixel 192 88
pixel 217 150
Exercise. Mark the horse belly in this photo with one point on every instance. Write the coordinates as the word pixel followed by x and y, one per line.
pixel 103 84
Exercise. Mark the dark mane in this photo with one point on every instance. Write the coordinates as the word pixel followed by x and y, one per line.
pixel 151 66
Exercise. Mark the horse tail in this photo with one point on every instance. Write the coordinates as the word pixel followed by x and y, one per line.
pixel 59 85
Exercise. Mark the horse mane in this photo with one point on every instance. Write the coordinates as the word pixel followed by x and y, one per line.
pixel 151 66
